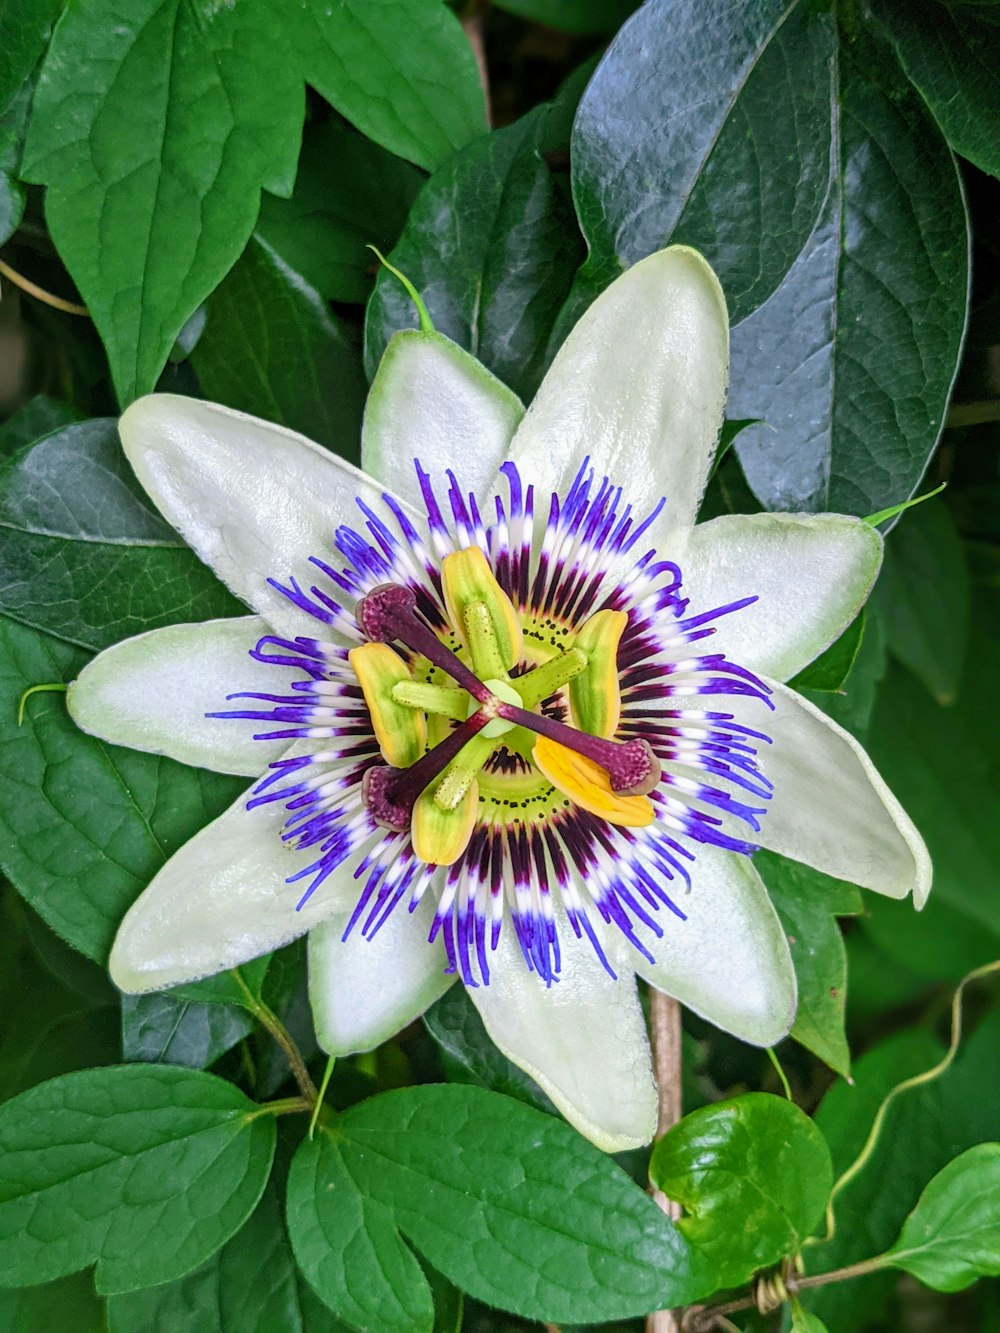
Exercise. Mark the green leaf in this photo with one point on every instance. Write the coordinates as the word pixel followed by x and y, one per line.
pixel 349 194
pixel 13 126
pixel 924 596
pixel 39 416
pixel 804 1322
pixel 271 347
pixel 508 1203
pixel 249 1286
pixel 84 826
pixel 706 125
pixel 576 16
pixel 24 29
pixel 69 1303
pixel 490 247
pixel 753 1174
pixel 924 1129
pixel 951 52
pixel 829 672
pixel 454 1023
pixel 952 1237
pixel 155 125
pixel 83 555
pixel 147 1170
pixel 163 1029
pixel 402 71
pixel 943 763
pixel 808 903
pixel 853 704
pixel 852 359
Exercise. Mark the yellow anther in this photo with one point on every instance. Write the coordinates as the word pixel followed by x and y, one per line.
pixel 440 836
pixel 587 784
pixel 481 612
pixel 594 695
pixel 400 731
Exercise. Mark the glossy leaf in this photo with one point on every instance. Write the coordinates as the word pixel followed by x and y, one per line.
pixel 490 246
pixel 161 1029
pixel 84 826
pixel 13 124
pixel 249 1286
pixel 145 1170
pixel 39 416
pixel 691 97
pixel 753 1175
pixel 470 1054
pixel 808 904
pixel 402 71
pixel 271 347
pixel 83 554
pixel 950 53
pixel 149 221
pixel 952 1237
pixel 509 1204
pixel 349 194
pixel 851 361
pixel 923 595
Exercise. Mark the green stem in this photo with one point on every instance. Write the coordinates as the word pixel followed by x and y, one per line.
pixel 322 1093
pixel 283 1106
pixel 54 687
pixel 269 1020
pixel 780 1072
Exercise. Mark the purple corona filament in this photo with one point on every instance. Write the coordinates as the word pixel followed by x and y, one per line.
pixel 535 860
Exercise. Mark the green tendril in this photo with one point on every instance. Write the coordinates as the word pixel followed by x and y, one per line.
pixel 426 323
pixel 53 687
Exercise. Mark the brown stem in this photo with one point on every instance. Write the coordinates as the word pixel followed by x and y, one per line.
pixel 472 23
pixel 665 1032
pixel 704 1319
pixel 39 293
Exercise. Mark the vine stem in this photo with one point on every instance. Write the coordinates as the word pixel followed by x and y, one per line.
pixel 665 1034
pixel 39 293
pixel 270 1021
pixel 702 1319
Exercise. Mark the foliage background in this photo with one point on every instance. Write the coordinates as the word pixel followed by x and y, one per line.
pixel 203 178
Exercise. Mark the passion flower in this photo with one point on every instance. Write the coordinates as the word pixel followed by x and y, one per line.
pixel 516 720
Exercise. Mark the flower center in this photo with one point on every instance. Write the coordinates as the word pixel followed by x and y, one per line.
pixel 434 792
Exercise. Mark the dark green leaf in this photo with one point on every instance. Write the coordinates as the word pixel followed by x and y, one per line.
pixel 13 126
pixel 223 988
pixel 851 360
pixel 39 416
pixel 924 1129
pixel 83 555
pixel 804 1322
pixel 50 1031
pixel 271 347
pixel 349 194
pixel 490 246
pixel 162 1029
pixel 831 669
pixel 146 1169
pixel 578 16
pixel 753 1175
pixel 249 1286
pixel 402 71
pixel 84 826
pixel 809 903
pixel 951 52
pixel 693 97
pixel 24 29
pixel 852 705
pixel 944 765
pixel 952 1237
pixel 508 1203
pixel 923 595
pixel 70 1304
pixel 155 124
pixel 455 1025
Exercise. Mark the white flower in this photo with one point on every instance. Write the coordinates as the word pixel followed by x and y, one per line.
pixel 547 931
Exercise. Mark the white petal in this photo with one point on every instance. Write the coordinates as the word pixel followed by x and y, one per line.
pixel 811 573
pixel 830 808
pixel 221 900
pixel 153 693
pixel 583 1039
pixel 254 500
pixel 431 400
pixel 729 961
pixel 364 991
pixel 639 386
